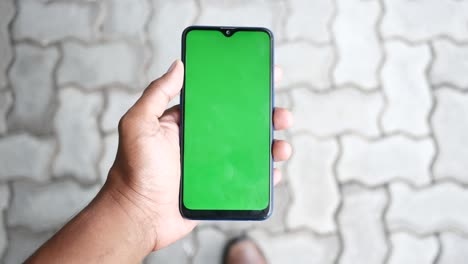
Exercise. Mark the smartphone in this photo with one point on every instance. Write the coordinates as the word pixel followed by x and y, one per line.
pixel 226 123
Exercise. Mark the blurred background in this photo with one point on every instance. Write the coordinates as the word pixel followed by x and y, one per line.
pixel 379 90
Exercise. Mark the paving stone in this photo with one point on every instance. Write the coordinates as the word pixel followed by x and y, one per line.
pixel 357 43
pixel 16 149
pixel 165 32
pixel 118 103
pixel 314 16
pixel 7 12
pixel 33 86
pixel 77 132
pixel 304 64
pixel 450 64
pixel 47 22
pixel 453 249
pixel 337 111
pixel 252 13
pixel 407 248
pixel 6 101
pixel 111 143
pixel 409 19
pixel 362 230
pixel 210 246
pixel 180 252
pixel 310 174
pixel 43 207
pixel 23 243
pixel 408 94
pixel 424 211
pixel 105 64
pixel 380 161
pixel 450 123
pixel 136 14
pixel 4 199
pixel 297 247
pixel 3 236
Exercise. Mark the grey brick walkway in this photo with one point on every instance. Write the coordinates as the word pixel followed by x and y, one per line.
pixel 379 89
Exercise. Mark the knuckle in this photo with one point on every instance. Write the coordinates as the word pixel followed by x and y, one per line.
pixel 124 122
pixel 154 83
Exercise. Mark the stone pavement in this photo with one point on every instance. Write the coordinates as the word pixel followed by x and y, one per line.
pixel 379 89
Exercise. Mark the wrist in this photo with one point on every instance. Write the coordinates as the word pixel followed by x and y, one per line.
pixel 128 205
pixel 111 229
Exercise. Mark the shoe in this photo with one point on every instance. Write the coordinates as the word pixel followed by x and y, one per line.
pixel 242 250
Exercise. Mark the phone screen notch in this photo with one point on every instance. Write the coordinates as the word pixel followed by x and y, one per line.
pixel 228 31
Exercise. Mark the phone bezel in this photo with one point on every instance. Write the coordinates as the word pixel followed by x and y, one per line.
pixel 227 214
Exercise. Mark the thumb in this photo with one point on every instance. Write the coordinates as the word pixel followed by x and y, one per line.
pixel 157 95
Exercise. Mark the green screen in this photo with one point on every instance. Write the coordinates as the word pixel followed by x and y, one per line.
pixel 227 121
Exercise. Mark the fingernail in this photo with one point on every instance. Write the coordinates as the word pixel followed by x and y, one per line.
pixel 172 66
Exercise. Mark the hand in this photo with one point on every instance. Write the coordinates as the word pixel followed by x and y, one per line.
pixel 146 171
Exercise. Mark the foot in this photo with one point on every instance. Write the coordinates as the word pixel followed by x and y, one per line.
pixel 242 250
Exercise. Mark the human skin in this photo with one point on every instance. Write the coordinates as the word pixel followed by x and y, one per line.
pixel 136 211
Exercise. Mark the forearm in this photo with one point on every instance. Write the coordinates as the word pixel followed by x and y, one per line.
pixel 109 230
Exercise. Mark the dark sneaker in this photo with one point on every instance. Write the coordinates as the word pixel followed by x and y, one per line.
pixel 242 250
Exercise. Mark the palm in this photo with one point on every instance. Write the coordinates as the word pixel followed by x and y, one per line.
pixel 153 158
pixel 166 184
